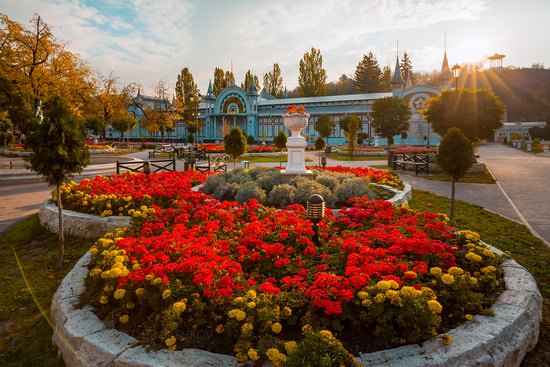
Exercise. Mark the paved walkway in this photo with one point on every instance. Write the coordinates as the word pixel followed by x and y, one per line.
pixel 525 179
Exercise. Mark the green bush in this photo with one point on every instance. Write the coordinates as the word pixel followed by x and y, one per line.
pixel 213 183
pixel 226 191
pixel 250 191
pixel 328 180
pixel 269 179
pixel 306 187
pixel 353 187
pixel 282 196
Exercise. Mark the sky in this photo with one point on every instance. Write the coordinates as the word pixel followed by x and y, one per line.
pixel 146 41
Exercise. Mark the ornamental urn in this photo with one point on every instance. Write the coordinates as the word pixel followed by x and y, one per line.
pixel 296 122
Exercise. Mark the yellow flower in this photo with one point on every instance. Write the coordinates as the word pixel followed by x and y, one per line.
pixel 468 317
pixel 251 305
pixel 428 293
pixel 411 274
pixel 167 293
pixel 247 327
pixel 380 297
pixel 447 279
pixel 436 271
pixel 179 307
pixel 130 305
pixel 140 292
pixel 93 250
pixel 143 208
pixel 362 295
pixel 237 300
pixel 393 284
pixel 253 354
pixel 119 293
pixel 488 253
pixel 447 339
pixel 136 266
pixel 455 271
pixel 170 341
pixel 473 280
pixel 276 328
pixel 326 335
pixel 123 319
pixel 287 311
pixel 383 285
pixel 291 346
pixel 410 292
pixel 156 281
pixel 488 269
pixel 251 293
pixel 391 294
pixel 220 329
pixel 366 302
pixel 95 271
pixel 307 328
pixel 150 277
pixel 240 315
pixel 435 306
pixel 119 259
pixel 103 300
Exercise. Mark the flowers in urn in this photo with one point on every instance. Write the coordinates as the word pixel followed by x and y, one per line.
pixel 292 109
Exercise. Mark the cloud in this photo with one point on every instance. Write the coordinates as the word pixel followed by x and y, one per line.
pixel 152 40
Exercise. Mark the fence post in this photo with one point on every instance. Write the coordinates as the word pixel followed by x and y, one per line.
pixel 117 168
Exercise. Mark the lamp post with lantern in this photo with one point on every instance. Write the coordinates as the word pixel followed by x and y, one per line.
pixel 456 73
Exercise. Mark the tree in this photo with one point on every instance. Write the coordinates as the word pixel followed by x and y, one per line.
pixel 344 85
pixel 455 156
pixel 478 113
pixel 351 124
pixel 280 142
pixel 313 78
pixel 390 117
pixel 96 125
pixel 273 82
pixel 368 75
pixel 234 144
pixel 535 132
pixel 123 124
pixel 229 78
pixel 325 126
pixel 6 129
pixel 219 81
pixel 250 140
pixel 186 92
pixel 107 101
pixel 57 151
pixel 247 78
pixel 406 67
pixel 319 143
pixel 160 116
pixel 385 81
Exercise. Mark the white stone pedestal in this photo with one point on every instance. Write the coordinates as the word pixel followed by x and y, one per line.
pixel 296 144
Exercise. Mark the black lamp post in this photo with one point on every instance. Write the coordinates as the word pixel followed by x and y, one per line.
pixel 315 213
pixel 456 73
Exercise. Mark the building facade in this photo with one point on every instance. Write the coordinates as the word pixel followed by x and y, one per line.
pixel 260 115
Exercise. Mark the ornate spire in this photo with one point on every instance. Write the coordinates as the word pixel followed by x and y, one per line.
pixel 210 92
pixel 252 87
pixel 446 73
pixel 397 80
pixel 285 93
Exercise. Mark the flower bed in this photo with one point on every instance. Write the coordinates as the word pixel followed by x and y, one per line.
pixel 269 187
pixel 127 194
pixel 262 149
pixel 382 177
pixel 213 148
pixel 414 150
pixel 253 279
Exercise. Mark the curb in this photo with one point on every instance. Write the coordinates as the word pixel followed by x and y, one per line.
pixel 501 340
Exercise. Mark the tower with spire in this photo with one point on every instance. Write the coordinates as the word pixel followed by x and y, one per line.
pixel 210 98
pixel 446 75
pixel 253 96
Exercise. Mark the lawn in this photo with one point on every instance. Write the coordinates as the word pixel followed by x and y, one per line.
pixel 266 159
pixel 483 177
pixel 347 158
pixel 26 335
pixel 508 236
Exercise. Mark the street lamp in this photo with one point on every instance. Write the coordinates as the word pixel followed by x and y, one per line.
pixel 456 73
pixel 197 98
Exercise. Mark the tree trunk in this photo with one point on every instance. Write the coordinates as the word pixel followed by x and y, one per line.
pixel 281 158
pixel 61 235
pixel 452 199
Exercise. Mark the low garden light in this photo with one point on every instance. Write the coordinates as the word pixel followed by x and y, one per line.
pixel 323 161
pixel 147 167
pixel 315 213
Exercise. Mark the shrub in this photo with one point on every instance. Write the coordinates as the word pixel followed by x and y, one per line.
pixel 269 179
pixel 250 191
pixel 239 177
pixel 256 171
pixel 226 191
pixel 306 187
pixel 331 181
pixel 351 188
pixel 282 196
pixel 213 183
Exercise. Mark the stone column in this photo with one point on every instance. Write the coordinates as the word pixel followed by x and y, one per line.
pixel 296 144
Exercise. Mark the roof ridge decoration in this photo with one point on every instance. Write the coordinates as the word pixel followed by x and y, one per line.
pixel 397 77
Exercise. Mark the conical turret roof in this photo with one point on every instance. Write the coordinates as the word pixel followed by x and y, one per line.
pixel 446 73
pixel 397 77
pixel 210 92
pixel 252 88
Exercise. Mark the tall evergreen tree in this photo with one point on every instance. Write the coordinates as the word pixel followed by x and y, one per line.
pixel 406 67
pixel 368 75
pixel 273 82
pixel 186 90
pixel 385 82
pixel 229 78
pixel 313 77
pixel 246 84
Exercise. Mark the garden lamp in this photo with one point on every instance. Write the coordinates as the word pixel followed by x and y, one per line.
pixel 147 167
pixel 315 213
pixel 323 161
pixel 456 73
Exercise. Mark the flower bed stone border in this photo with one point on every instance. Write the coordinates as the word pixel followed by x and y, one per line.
pixel 79 224
pixel 501 340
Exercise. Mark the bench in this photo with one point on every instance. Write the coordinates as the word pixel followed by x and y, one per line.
pixel 141 166
pixel 214 163
pixel 162 149
pixel 420 162
pixel 199 153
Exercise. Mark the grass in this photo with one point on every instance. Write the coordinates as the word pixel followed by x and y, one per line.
pixel 25 338
pixel 266 159
pixel 25 334
pixel 483 177
pixel 346 157
pixel 379 166
pixel 508 236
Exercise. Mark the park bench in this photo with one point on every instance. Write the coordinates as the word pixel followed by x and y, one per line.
pixel 420 162
pixel 154 165
pixel 199 153
pixel 162 149
pixel 214 163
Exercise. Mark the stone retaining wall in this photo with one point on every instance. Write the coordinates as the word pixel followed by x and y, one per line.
pixel 501 340
pixel 79 224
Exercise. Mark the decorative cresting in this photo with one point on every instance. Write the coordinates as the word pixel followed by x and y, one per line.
pixel 296 120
